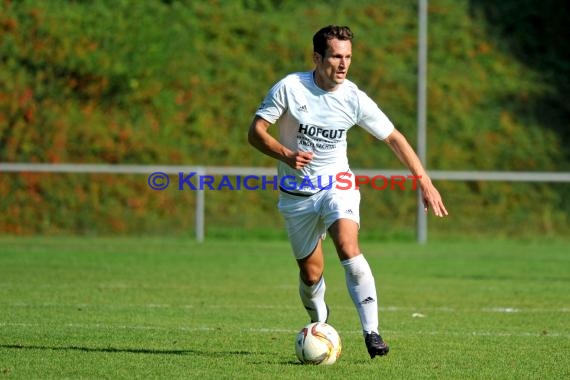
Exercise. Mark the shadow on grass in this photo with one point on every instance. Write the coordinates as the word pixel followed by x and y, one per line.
pixel 127 350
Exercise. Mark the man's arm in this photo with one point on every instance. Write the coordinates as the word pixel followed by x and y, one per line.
pixel 259 137
pixel 406 154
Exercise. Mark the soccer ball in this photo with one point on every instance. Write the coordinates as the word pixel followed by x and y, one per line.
pixel 318 343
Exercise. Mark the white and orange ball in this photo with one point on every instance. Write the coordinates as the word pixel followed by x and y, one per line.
pixel 318 343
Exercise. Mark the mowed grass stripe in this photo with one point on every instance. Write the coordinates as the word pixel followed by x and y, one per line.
pixel 273 330
pixel 381 309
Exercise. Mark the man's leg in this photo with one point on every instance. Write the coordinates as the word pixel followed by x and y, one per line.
pixel 359 278
pixel 312 284
pixel 359 281
pixel 305 232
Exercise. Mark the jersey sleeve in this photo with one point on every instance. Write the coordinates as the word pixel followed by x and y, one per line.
pixel 372 119
pixel 274 104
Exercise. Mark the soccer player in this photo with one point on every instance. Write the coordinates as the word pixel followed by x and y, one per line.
pixel 314 110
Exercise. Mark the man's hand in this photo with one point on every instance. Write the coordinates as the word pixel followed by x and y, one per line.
pixel 408 156
pixel 264 142
pixel 297 160
pixel 432 199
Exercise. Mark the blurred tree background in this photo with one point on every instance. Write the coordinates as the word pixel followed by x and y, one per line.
pixel 177 83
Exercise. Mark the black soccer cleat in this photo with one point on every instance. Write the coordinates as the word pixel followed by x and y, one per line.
pixel 375 345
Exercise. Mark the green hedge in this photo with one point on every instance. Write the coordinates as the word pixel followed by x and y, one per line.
pixel 177 82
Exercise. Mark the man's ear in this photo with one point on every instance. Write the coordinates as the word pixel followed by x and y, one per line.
pixel 317 58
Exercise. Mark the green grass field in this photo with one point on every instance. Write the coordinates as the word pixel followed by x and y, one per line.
pixel 171 308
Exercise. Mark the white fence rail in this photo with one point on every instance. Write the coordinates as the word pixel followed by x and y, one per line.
pixel 509 176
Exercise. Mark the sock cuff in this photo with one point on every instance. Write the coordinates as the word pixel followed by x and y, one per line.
pixel 357 267
pixel 353 260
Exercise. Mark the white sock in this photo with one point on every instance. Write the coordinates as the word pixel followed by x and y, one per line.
pixel 313 298
pixel 362 289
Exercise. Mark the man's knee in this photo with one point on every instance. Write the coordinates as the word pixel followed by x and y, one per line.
pixel 310 277
pixel 311 272
pixel 311 267
pixel 348 249
pixel 345 236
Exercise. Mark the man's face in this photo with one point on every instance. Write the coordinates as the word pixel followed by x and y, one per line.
pixel 331 70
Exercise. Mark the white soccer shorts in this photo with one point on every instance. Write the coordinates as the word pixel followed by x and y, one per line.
pixel 308 218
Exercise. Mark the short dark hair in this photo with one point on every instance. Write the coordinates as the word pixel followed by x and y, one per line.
pixel 321 38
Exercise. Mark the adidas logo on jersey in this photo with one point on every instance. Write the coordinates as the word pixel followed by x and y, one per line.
pixel 303 108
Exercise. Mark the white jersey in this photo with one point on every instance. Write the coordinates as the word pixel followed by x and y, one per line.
pixel 312 119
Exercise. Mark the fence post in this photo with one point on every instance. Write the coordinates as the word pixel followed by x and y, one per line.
pixel 200 207
pixel 422 112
